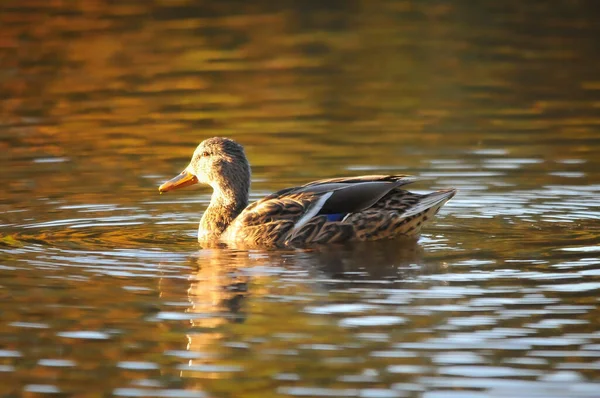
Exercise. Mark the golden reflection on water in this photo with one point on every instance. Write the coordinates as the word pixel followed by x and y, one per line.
pixel 232 295
pixel 102 100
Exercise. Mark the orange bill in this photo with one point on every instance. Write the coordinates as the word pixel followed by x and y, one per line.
pixel 182 180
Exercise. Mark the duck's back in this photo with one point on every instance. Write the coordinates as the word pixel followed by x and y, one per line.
pixel 336 210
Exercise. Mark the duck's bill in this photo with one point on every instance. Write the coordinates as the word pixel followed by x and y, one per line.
pixel 182 180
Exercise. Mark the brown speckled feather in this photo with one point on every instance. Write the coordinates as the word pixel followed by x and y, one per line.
pixel 268 220
pixel 378 214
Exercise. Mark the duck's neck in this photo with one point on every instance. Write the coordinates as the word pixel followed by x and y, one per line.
pixel 226 203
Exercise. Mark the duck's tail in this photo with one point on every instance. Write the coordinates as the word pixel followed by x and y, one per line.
pixel 425 208
pixel 430 203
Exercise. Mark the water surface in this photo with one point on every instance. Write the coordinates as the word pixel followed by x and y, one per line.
pixel 104 290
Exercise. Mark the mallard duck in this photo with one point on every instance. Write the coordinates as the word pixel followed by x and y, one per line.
pixel 369 207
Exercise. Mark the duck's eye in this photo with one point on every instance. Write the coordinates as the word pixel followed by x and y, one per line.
pixel 205 153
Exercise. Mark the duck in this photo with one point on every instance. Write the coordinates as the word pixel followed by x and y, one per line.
pixel 334 210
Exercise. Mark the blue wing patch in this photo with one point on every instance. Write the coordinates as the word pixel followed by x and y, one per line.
pixel 335 217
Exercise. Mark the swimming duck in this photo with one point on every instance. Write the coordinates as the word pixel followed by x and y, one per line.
pixel 369 207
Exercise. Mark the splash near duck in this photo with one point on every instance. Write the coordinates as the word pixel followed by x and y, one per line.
pixel 335 210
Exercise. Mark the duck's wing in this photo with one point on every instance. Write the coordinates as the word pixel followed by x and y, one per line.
pixel 307 212
pixel 354 194
pixel 405 179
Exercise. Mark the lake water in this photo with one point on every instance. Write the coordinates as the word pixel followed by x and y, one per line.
pixel 105 291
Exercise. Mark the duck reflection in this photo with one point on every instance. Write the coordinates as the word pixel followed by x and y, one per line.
pixel 226 283
pixel 390 260
pixel 222 278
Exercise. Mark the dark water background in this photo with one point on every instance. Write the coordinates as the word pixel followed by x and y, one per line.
pixel 104 291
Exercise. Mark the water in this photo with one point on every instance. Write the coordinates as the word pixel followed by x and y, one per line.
pixel 104 290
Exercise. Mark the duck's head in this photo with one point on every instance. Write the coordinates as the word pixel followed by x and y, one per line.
pixel 218 162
